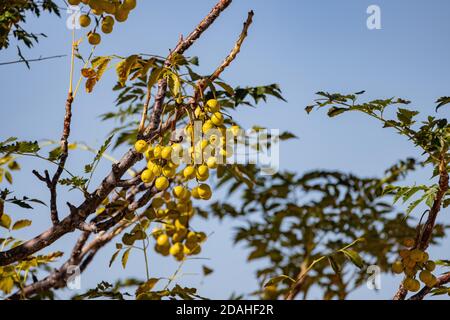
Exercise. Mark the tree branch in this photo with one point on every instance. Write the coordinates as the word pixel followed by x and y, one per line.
pixel 444 279
pixel 427 230
pixel 31 60
pixel 181 47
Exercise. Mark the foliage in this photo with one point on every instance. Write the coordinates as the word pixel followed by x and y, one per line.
pixel 13 14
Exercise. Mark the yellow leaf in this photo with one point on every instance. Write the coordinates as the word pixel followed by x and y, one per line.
pixel 90 83
pixel 101 64
pixel 20 224
pixel 6 285
pixel 147 286
pixel 124 67
pixel 5 221
pixel 88 73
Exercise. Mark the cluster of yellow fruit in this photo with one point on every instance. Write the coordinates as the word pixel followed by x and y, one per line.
pixel 176 240
pixel 108 12
pixel 415 260
pixel 163 161
pixel 174 237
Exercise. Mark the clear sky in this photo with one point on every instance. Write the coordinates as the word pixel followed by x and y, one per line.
pixel 305 46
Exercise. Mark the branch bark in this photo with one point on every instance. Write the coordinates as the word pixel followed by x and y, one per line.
pixel 444 279
pixel 427 230
pixel 93 200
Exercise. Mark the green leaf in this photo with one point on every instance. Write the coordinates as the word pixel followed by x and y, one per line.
pixel 334 265
pixel 406 116
pixel 287 135
pixel 354 257
pixel 278 279
pixel 113 258
pixel 442 101
pixel 335 111
pixel 207 271
pixel 20 224
pixel 228 89
pixel 155 75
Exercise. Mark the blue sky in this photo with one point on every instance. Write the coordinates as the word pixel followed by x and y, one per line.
pixel 305 46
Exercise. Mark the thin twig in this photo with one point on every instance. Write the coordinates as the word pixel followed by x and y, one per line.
pixel 32 60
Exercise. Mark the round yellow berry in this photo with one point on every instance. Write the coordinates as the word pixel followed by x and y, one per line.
pixel 161 183
pixel 141 146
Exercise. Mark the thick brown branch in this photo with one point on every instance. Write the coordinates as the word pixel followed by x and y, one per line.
pixel 108 184
pixel 82 253
pixel 427 230
pixel 444 279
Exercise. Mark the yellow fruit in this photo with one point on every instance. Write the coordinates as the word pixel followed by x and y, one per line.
pixel 397 267
pixel 129 4
pixel 411 284
pixel 235 130
pixel 409 242
pixel 141 146
pixel 410 272
pixel 109 7
pixel 408 263
pixel 432 282
pixel 169 172
pixel 217 118
pixel 176 249
pixel 85 21
pixel 163 240
pixel 149 153
pixel 189 172
pixel 121 14
pixel 162 183
pixel 74 2
pixel 202 170
pixel 195 194
pixel 404 253
pixel 147 176
pixel 416 255
pixel 424 258
pixel 426 276
pixel 191 237
pixel 204 191
pixel 166 152
pixel 94 39
pixel 208 125
pixel 212 105
pixel 157 170
pixel 107 28
pixel 430 265
pixel 179 191
pixel 211 162
pixel 157 151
